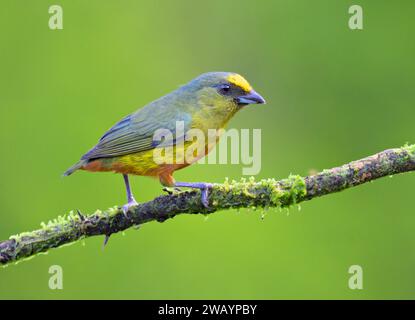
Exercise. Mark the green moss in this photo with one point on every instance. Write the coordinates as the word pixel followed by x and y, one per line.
pixel 53 234
pixel 275 193
pixel 296 192
pixel 264 193
pixel 410 149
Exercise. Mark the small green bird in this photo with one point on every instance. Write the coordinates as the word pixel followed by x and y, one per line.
pixel 207 102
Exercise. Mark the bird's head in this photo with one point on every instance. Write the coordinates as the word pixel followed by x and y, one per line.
pixel 224 90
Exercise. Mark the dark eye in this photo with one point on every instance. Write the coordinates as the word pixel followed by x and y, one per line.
pixel 224 89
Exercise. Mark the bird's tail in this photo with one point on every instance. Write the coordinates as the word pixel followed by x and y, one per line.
pixel 75 167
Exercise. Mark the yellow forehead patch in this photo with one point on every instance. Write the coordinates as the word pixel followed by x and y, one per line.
pixel 239 81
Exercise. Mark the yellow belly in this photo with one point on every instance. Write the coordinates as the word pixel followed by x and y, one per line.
pixel 154 162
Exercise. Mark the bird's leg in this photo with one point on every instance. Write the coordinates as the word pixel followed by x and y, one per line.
pixel 130 198
pixel 167 180
pixel 203 186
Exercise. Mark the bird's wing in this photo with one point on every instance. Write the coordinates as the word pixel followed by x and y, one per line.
pixel 135 133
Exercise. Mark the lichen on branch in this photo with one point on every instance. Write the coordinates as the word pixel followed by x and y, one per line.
pixel 230 194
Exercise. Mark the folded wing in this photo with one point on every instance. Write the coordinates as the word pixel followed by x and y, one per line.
pixel 135 133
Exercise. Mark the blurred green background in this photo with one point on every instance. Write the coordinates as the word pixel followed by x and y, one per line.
pixel 334 95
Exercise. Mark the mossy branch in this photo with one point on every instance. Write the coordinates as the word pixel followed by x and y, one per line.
pixel 243 194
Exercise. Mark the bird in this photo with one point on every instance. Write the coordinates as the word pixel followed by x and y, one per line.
pixel 207 102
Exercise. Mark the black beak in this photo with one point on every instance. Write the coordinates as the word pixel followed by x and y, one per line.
pixel 252 97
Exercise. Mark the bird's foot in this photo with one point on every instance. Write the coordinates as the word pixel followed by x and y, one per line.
pixel 203 186
pixel 126 207
pixel 171 190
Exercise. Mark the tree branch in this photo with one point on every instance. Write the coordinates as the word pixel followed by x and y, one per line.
pixel 243 194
